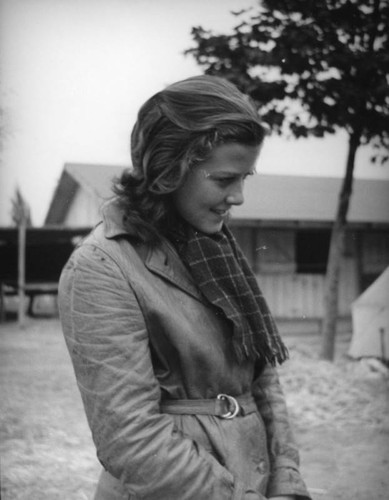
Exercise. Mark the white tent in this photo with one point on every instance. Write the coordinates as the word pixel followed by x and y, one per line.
pixel 370 318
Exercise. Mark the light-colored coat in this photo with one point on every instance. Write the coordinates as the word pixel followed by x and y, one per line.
pixel 138 331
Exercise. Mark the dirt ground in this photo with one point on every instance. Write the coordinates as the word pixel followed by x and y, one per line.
pixel 339 412
pixel 340 415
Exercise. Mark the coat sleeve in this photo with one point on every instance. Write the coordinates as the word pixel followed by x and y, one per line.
pixel 107 340
pixel 285 478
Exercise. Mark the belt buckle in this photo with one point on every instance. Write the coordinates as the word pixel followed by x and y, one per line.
pixel 232 403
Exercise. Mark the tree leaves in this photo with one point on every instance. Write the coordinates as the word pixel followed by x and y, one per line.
pixel 326 60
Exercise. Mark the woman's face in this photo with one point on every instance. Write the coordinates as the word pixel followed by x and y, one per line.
pixel 214 186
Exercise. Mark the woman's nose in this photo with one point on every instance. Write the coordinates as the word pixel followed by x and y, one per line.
pixel 235 196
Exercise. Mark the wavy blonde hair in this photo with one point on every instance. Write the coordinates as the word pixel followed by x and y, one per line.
pixel 176 130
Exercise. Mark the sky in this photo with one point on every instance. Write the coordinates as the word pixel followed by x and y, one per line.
pixel 73 74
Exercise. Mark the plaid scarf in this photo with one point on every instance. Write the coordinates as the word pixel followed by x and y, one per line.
pixel 225 278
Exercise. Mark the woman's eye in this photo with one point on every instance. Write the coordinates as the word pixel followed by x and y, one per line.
pixel 224 180
pixel 230 180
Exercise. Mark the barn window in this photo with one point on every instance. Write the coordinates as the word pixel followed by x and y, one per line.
pixel 246 237
pixel 275 253
pixel 312 247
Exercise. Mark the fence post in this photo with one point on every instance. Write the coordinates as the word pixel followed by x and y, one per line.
pixel 21 270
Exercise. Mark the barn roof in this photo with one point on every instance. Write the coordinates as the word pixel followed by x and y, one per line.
pixel 94 179
pixel 268 198
pixel 303 198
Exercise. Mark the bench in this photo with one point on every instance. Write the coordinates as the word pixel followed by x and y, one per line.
pixel 30 289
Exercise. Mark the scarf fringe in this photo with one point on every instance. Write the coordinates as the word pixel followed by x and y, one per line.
pixel 263 353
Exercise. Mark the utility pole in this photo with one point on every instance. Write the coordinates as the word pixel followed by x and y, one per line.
pixel 22 270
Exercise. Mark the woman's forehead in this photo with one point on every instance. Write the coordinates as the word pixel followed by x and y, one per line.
pixel 232 156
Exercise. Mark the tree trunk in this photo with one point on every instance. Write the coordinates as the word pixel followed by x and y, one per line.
pixel 335 256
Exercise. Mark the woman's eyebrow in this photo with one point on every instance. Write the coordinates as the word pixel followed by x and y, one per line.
pixel 231 174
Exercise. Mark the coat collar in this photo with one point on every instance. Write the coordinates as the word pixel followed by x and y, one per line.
pixel 162 260
pixel 114 221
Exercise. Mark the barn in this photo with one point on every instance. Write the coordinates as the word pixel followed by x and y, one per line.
pixel 284 229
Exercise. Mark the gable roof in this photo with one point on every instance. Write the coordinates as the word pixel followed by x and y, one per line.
pixel 268 198
pixel 94 179
pixel 303 198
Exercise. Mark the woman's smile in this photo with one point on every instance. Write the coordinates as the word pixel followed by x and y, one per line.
pixel 222 212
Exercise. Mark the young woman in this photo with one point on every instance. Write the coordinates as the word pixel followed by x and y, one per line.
pixel 173 346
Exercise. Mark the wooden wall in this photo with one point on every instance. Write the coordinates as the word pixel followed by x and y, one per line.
pixel 295 294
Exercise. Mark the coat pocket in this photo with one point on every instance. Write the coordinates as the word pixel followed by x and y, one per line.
pixel 205 432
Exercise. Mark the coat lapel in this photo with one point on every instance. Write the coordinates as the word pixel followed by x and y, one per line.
pixel 162 260
pixel 165 262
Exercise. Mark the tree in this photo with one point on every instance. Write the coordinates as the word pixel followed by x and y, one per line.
pixel 313 67
pixel 20 211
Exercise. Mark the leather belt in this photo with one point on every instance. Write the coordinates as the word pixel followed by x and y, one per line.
pixel 223 406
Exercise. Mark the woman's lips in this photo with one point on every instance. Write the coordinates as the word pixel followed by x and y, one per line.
pixel 220 212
